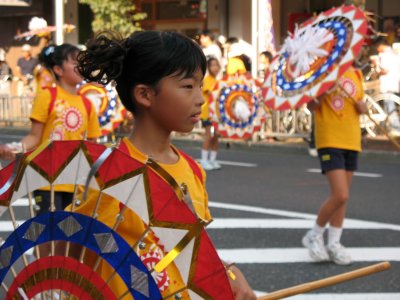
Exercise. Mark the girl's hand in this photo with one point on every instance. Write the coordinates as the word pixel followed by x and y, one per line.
pixel 240 287
pixel 361 107
pixel 6 153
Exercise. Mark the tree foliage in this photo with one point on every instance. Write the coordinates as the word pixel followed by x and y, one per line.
pixel 116 15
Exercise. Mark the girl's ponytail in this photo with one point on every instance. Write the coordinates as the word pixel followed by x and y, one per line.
pixel 102 61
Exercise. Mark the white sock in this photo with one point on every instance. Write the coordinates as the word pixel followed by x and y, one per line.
pixel 318 229
pixel 213 155
pixel 334 234
pixel 204 155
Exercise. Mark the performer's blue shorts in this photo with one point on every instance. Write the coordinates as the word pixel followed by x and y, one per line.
pixel 333 159
pixel 206 122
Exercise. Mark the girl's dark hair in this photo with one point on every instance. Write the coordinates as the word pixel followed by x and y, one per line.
pixel 51 56
pixel 143 58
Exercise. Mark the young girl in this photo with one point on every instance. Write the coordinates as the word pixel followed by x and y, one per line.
pixel 159 78
pixel 338 140
pixel 58 113
pixel 210 143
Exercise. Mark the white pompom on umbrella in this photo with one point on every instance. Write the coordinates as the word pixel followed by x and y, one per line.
pixel 37 23
pixel 305 46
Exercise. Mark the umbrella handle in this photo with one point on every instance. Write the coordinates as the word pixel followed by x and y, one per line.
pixel 383 130
pixel 313 285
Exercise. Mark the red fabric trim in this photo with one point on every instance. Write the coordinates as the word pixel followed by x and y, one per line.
pixel 53 93
pixel 88 105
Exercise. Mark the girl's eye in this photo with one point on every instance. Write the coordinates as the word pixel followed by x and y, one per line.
pixel 188 86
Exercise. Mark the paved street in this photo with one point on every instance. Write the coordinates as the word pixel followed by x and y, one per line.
pixel 265 198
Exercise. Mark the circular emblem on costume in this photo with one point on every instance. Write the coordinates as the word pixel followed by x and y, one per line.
pixel 150 259
pixel 349 86
pixel 57 134
pixel 72 119
pixel 337 102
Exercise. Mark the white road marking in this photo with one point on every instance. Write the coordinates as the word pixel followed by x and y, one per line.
pixel 261 210
pixel 21 202
pixel 234 163
pixel 290 214
pixel 299 255
pixel 344 296
pixel 221 223
pixel 359 174
pixel 7 226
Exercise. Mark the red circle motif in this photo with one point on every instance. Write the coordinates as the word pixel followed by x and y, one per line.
pixel 72 119
pixel 349 86
pixel 150 259
pixel 337 102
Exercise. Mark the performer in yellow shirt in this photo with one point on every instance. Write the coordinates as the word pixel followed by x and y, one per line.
pixel 159 78
pixel 338 140
pixel 210 140
pixel 58 113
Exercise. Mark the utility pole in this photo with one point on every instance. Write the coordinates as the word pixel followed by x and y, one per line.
pixel 59 21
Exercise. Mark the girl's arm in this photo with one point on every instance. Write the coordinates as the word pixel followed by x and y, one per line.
pixel 361 107
pixel 29 142
pixel 33 138
pixel 315 103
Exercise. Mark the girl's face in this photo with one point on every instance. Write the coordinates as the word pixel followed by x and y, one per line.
pixel 69 73
pixel 214 67
pixel 176 105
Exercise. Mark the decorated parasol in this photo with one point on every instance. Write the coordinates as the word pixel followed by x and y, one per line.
pixel 38 27
pixel 314 57
pixel 168 254
pixel 234 107
pixel 111 113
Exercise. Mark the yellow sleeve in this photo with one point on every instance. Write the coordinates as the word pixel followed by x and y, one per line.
pixel 40 107
pixel 207 213
pixel 209 84
pixel 360 88
pixel 93 124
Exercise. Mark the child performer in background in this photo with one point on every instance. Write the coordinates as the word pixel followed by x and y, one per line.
pixel 58 113
pixel 210 140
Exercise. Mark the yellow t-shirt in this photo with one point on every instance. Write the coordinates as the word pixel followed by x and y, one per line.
pixel 132 226
pixel 209 84
pixel 235 65
pixel 337 122
pixel 68 117
pixel 44 78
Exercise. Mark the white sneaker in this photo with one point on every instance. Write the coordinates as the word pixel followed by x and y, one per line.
pixel 338 254
pixel 312 152
pixel 206 164
pixel 215 165
pixel 315 245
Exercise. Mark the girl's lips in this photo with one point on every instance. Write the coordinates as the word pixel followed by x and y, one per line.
pixel 195 118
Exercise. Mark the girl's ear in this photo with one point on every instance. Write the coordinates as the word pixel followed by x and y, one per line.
pixel 58 71
pixel 143 95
